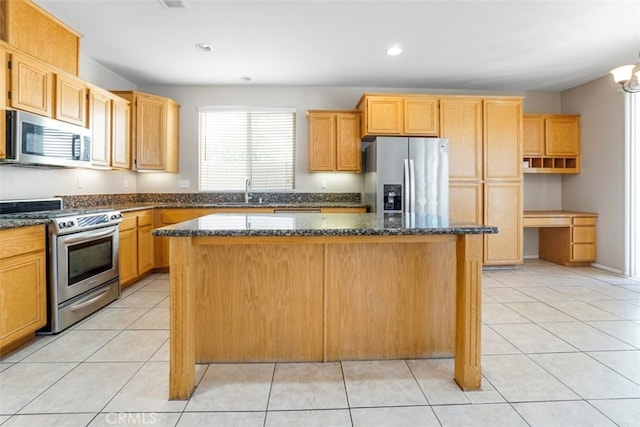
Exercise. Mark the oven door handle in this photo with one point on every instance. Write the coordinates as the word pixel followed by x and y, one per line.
pixel 87 236
pixel 88 303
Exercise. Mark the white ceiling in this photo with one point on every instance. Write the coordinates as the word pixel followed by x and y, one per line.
pixel 484 45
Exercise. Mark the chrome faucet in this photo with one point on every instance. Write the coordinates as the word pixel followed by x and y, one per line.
pixel 247 186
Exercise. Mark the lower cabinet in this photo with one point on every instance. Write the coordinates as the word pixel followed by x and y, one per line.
pixel 503 209
pixel 136 245
pixel 23 292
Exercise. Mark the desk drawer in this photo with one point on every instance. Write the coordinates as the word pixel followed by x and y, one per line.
pixel 547 221
pixel 584 221
pixel 584 235
pixel 583 252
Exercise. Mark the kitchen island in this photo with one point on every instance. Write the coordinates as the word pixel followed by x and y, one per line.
pixel 323 287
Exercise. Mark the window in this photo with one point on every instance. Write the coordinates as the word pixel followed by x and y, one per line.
pixel 237 143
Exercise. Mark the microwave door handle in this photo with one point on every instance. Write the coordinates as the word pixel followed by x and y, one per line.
pixel 75 147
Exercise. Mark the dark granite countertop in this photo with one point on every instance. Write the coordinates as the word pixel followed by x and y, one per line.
pixel 6 224
pixel 128 207
pixel 318 224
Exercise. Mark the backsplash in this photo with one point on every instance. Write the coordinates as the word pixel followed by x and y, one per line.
pixel 91 200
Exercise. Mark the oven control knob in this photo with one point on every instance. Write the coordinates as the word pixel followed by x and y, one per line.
pixel 116 216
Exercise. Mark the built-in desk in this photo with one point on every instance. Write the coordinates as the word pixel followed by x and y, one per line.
pixel 565 237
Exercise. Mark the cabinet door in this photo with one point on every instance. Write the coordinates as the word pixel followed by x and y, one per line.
pixel 533 135
pixel 120 134
pixel 145 249
pixel 145 241
pixel 503 209
pixel 384 115
pixel 150 133
pixel 100 124
pixel 461 123
pixel 502 139
pixel 562 136
pixel 348 151
pixel 22 296
pixel 71 96
pixel 23 305
pixel 322 141
pixel 31 86
pixel 3 78
pixel 172 136
pixel 421 116
pixel 128 256
pixel 465 202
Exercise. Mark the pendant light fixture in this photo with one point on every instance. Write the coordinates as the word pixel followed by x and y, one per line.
pixel 627 76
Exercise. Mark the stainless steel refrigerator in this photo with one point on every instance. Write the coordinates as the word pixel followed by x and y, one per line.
pixel 407 175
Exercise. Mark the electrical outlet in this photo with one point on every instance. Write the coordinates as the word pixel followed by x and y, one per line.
pixel 323 184
pixel 184 183
pixel 126 183
pixel 80 182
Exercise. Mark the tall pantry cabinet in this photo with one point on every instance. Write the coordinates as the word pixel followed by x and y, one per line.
pixel 485 170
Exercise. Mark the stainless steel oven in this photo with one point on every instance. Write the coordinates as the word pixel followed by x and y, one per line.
pixel 82 267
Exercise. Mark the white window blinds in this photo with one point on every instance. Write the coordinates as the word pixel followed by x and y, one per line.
pixel 237 143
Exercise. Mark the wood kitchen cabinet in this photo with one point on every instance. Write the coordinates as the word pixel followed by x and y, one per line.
pixel 120 133
pixel 109 123
pixel 420 115
pixel 334 141
pixel 154 131
pixel 100 124
pixel 3 99
pixel 71 99
pixel 502 172
pixel 551 143
pixel 136 245
pixel 461 123
pixel 32 85
pixel 485 175
pixel 411 115
pixel 23 292
pixel 31 29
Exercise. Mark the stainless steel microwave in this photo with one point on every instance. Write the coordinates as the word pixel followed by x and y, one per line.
pixel 38 140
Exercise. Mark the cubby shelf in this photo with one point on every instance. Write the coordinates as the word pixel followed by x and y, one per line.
pixel 551 165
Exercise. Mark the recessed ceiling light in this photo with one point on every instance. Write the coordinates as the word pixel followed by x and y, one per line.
pixel 204 47
pixel 174 4
pixel 394 50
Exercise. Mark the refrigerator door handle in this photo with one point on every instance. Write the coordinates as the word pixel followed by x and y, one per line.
pixel 407 184
pixel 412 186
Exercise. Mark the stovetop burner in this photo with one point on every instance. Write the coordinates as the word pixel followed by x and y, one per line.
pixel 63 221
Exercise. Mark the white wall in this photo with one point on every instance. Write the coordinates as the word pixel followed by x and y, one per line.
pixel 599 187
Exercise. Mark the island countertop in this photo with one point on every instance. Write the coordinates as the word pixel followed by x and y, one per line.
pixel 318 224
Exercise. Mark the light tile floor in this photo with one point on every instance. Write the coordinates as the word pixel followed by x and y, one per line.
pixel 561 347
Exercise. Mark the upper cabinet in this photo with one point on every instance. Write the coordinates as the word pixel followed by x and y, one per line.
pixel 411 115
pixel 461 123
pixel 551 143
pixel 71 99
pixel 334 141
pixel 29 28
pixel 154 131
pixel 502 127
pixel 32 85
pixel 109 123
